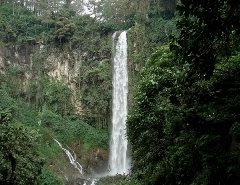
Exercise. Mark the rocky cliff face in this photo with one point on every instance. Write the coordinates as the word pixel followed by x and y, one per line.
pixel 18 57
pixel 63 65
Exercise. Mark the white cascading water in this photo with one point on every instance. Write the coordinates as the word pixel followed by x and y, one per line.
pixel 76 165
pixel 72 158
pixel 119 162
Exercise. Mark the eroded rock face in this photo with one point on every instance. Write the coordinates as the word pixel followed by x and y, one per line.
pixel 64 67
pixel 86 70
pixel 17 55
pixel 1 65
pixel 97 160
pixel 94 162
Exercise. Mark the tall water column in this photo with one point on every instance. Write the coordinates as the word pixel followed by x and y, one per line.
pixel 119 162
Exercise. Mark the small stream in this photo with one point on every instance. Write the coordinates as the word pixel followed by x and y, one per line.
pixel 73 160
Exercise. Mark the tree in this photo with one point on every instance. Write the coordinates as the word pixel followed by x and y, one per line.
pixel 58 98
pixel 20 163
pixel 206 29
pixel 119 13
pixel 187 105
pixel 164 8
pixel 65 30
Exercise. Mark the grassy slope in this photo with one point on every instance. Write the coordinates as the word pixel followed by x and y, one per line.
pixel 69 131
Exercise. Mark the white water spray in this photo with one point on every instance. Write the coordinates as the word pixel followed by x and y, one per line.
pixel 72 158
pixel 119 162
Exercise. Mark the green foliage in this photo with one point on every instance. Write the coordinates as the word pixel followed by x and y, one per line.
pixel 64 30
pixel 184 127
pixel 25 27
pixel 143 39
pixel 47 178
pixel 118 180
pixel 6 102
pixel 235 131
pixel 49 119
pixel 69 130
pixel 40 91
pixel 43 104
pixel 20 27
pixel 183 141
pixel 49 125
pixel 118 14
pixel 203 40
pixel 13 79
pixel 92 137
pixel 150 106
pixel 96 87
pixel 20 163
pixel 58 98
pixel 160 30
pixel 162 8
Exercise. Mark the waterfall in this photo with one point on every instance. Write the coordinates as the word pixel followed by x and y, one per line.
pixel 72 158
pixel 119 162
pixel 76 165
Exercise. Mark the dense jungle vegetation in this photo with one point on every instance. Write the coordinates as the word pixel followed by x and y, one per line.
pixel 184 128
pixel 184 82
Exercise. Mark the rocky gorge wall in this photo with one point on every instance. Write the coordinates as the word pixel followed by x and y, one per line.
pixel 74 68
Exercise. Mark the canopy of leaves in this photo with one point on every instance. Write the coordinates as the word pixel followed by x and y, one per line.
pixel 19 160
pixel 186 142
pixel 187 106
